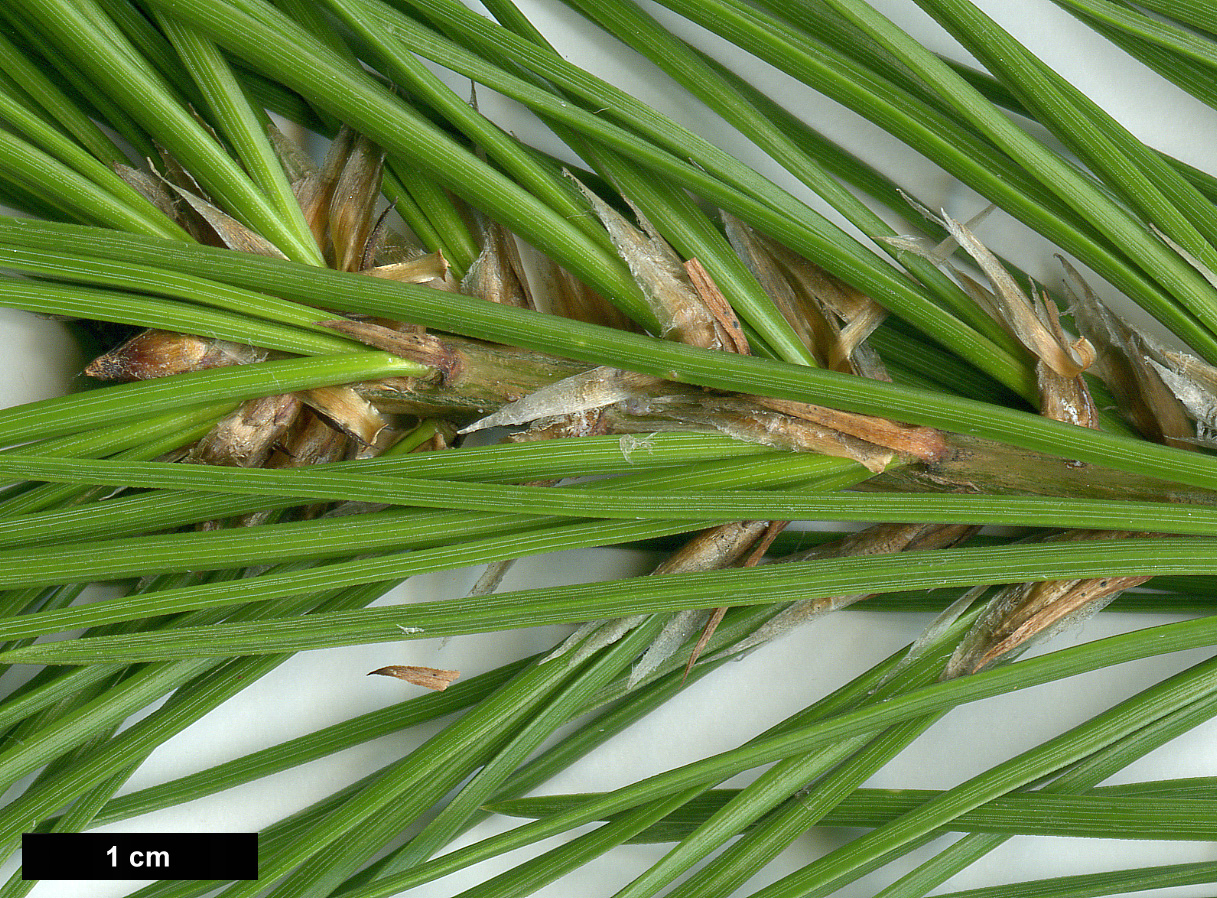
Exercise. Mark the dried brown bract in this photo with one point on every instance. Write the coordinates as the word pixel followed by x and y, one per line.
pixel 1122 361
pixel 680 311
pixel 1194 383
pixel 497 274
pixel 348 411
pixel 353 203
pixel 427 677
pixel 881 539
pixel 565 295
pixel 840 316
pixel 430 270
pixel 1028 319
pixel 1024 612
pixel 157 353
pixel 808 325
pixel 245 438
pixel 923 443
pixel 226 230
pixel 729 326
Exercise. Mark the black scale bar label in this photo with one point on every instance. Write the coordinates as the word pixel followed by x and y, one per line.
pixel 139 856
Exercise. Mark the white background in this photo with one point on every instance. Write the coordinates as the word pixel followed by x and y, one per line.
pixel 319 688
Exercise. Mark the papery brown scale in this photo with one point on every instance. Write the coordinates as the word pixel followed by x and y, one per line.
pixel 848 315
pixel 497 274
pixel 1122 363
pixel 227 231
pixel 1018 313
pixel 761 543
pixel 158 353
pixel 660 274
pixel 316 192
pixel 811 329
pixel 566 296
pixel 309 441
pixel 746 421
pixel 297 164
pixel 730 333
pixel 924 443
pixel 348 411
pixel 427 677
pixel 246 437
pixel 431 271
pixel 581 424
pixel 353 203
pixel 151 188
pixel 1022 612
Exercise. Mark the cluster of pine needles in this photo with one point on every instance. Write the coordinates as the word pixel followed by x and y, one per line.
pixel 433 346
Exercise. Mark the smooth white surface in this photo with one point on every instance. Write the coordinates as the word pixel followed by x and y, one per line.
pixel 319 688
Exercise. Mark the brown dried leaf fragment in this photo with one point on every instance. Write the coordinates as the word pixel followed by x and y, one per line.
pixel 755 554
pixel 245 438
pixel 228 231
pixel 157 353
pixel 315 191
pixel 427 677
pixel 1020 315
pixel 151 187
pixel 848 315
pixel 582 424
pixel 497 274
pixel 310 441
pixel 728 322
pixel 430 270
pixel 924 443
pixel 353 203
pixel 1026 612
pixel 1062 398
pixel 657 269
pixel 1194 382
pixel 1122 362
pixel 745 420
pixel 297 164
pixel 348 411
